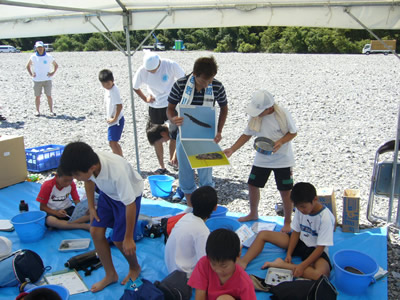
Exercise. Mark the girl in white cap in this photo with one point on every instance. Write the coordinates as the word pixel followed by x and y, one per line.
pixel 267 119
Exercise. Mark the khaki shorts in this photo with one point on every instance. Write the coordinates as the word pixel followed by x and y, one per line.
pixel 39 85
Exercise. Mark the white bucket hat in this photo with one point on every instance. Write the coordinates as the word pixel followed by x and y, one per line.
pixel 151 61
pixel 260 101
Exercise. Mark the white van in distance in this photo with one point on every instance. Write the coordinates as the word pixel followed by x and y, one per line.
pixel 8 49
pixel 48 47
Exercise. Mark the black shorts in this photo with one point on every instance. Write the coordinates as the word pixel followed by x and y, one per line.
pixel 69 211
pixel 283 177
pixel 304 251
pixel 158 115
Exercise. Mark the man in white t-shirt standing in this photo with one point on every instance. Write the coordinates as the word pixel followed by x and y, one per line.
pixel 159 75
pixel 39 67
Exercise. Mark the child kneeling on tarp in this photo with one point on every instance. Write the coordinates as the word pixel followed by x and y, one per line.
pixel 313 226
pixel 54 198
pixel 217 276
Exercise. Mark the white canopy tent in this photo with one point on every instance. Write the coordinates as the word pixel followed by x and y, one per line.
pixel 31 18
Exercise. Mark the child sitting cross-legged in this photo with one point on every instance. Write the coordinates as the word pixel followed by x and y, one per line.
pixel 187 241
pixel 54 198
pixel 312 225
pixel 217 276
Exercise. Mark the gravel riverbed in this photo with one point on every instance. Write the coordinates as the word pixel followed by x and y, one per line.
pixel 344 106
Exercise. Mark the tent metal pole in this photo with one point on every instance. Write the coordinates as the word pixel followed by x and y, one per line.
pixel 155 27
pixel 347 10
pixel 394 172
pixel 128 49
pixel 115 43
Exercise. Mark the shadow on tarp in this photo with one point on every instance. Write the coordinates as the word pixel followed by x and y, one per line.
pixel 151 251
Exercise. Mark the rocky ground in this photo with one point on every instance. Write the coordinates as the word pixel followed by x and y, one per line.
pixel 344 106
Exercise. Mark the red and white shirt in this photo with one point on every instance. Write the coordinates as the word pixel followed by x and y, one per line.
pixel 56 198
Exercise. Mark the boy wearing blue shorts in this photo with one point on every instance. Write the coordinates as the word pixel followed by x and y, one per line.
pixel 312 225
pixel 120 190
pixel 114 115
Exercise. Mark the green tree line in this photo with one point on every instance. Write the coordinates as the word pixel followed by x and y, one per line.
pixel 233 39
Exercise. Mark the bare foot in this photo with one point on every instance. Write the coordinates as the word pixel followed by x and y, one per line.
pixel 249 217
pixel 98 286
pixel 241 263
pixel 286 228
pixel 133 274
pixel 277 263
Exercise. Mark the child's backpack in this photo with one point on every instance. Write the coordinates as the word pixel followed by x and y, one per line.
pixel 320 289
pixel 19 267
pixel 174 286
pixel 141 289
pixel 168 223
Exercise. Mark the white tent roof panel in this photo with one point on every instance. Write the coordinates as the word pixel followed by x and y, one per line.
pixel 53 17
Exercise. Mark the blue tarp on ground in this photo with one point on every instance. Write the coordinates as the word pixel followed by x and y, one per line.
pixel 151 251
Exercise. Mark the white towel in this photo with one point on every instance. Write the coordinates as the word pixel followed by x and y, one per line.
pixel 280 116
pixel 188 93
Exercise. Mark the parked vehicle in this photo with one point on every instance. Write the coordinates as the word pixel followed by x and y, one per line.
pixel 8 49
pixel 48 47
pixel 377 47
pixel 157 46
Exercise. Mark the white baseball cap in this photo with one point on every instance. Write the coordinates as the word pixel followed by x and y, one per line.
pixel 39 44
pixel 260 101
pixel 151 61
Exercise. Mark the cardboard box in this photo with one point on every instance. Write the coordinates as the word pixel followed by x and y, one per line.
pixel 12 160
pixel 326 196
pixel 351 211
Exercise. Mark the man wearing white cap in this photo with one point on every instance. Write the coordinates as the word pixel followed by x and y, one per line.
pixel 38 67
pixel 267 119
pixel 159 75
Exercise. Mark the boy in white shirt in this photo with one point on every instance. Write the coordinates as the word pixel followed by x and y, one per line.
pixel 187 241
pixel 114 113
pixel 268 119
pixel 312 225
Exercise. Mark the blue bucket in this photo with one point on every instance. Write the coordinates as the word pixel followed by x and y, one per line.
pixel 223 222
pixel 161 185
pixel 59 289
pixel 351 283
pixel 30 225
pixel 219 212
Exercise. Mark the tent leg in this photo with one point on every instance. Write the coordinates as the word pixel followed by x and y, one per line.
pixel 394 171
pixel 128 49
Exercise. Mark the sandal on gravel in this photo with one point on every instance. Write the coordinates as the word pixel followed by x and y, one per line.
pixel 174 166
pixel 161 171
pixel 2 118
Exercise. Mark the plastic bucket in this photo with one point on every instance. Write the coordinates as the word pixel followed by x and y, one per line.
pixel 161 185
pixel 223 222
pixel 219 212
pixel 30 225
pixel 59 289
pixel 351 283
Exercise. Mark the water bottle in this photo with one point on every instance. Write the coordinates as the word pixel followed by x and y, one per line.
pixel 23 207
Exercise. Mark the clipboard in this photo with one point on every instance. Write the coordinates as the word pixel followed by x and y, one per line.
pixel 70 279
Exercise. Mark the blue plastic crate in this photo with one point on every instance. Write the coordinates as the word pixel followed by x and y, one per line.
pixel 43 158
